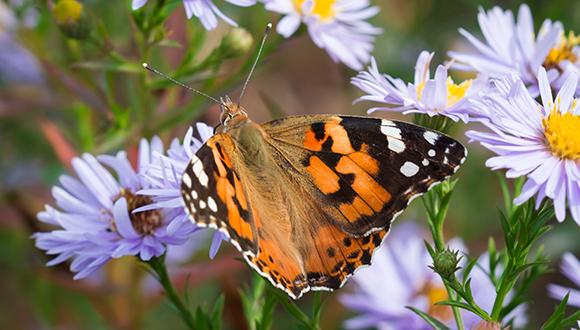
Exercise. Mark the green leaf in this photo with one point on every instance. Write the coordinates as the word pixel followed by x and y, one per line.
pixel 291 307
pixel 216 314
pixel 555 320
pixel 436 324
pixel 470 265
pixel 110 65
pixel 474 309
pixel 266 317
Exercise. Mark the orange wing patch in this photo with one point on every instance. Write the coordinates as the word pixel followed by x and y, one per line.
pixel 337 255
pixel 364 185
pixel 231 193
pixel 281 266
pixel 324 177
pixel 330 132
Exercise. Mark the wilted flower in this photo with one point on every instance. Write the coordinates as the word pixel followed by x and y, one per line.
pixel 400 277
pixel 164 177
pixel 540 141
pixel 338 26
pixel 96 218
pixel 432 96
pixel 570 267
pixel 514 47
pixel 205 10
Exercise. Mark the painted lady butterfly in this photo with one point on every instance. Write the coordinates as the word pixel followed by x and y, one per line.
pixel 307 199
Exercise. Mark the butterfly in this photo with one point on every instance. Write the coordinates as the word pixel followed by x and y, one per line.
pixel 307 199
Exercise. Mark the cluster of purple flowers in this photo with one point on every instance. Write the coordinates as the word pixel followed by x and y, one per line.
pixel 138 211
pixel 533 134
pixel 534 139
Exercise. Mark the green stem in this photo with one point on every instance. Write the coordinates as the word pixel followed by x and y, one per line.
pixel 157 264
pixel 437 204
pixel 456 311
pixel 502 292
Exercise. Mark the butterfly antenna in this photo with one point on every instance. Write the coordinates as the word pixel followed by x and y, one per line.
pixel 266 33
pixel 177 82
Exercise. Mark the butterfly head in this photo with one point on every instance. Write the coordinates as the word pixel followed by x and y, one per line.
pixel 232 114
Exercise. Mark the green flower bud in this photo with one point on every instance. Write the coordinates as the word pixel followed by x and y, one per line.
pixel 236 43
pixel 70 18
pixel 445 263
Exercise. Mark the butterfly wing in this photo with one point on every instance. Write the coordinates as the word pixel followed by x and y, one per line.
pixel 324 199
pixel 214 195
pixel 365 170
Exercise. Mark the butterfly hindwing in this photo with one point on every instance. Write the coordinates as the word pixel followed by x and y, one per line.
pixel 366 170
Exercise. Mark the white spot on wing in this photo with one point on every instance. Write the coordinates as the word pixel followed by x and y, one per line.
pixel 186 179
pixel 211 204
pixel 431 153
pixel 194 194
pixel 431 137
pixel 201 176
pixel 202 205
pixel 409 169
pixel 393 134
pixel 425 162
pixel 395 145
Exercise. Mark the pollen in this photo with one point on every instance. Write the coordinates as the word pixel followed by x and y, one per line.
pixel 145 222
pixel 322 8
pixel 455 92
pixel 563 51
pixel 561 134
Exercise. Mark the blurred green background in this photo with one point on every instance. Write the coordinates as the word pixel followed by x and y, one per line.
pixel 77 97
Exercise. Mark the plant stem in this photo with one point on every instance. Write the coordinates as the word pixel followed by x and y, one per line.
pixel 157 264
pixel 437 203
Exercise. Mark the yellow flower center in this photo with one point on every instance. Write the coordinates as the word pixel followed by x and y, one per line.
pixel 436 293
pixel 562 133
pixel 67 11
pixel 455 92
pixel 564 50
pixel 323 8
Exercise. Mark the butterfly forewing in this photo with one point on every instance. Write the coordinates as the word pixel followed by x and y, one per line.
pixel 366 170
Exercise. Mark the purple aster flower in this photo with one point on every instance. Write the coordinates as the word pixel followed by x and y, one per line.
pixel 432 96
pixel 205 10
pixel 95 214
pixel 540 141
pixel 164 177
pixel 514 47
pixel 338 26
pixel 570 267
pixel 400 276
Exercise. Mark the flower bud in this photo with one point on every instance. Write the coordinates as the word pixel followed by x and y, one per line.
pixel 445 263
pixel 70 18
pixel 237 42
